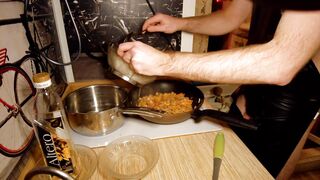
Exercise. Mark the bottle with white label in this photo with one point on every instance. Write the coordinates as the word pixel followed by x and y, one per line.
pixel 51 127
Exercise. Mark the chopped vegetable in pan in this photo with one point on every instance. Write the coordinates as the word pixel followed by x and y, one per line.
pixel 169 102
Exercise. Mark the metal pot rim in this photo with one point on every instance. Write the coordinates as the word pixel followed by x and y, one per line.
pixel 93 85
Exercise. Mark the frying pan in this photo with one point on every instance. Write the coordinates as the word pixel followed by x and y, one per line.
pixel 190 91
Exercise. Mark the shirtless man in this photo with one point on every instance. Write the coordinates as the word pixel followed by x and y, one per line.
pixel 282 83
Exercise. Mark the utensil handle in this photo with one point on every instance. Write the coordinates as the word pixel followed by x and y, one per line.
pixel 222 117
pixel 164 34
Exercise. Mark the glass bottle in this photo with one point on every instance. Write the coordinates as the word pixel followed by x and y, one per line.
pixel 51 127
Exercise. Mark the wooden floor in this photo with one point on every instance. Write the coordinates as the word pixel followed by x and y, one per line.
pixel 309 175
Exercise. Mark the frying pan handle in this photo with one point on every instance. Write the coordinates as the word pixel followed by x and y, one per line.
pixel 222 117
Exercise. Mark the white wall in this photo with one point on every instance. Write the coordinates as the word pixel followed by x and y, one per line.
pixel 11 37
pixel 187 38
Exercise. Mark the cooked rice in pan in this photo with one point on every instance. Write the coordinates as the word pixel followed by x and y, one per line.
pixel 169 102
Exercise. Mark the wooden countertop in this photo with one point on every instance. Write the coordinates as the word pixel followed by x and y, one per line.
pixel 187 157
pixel 191 157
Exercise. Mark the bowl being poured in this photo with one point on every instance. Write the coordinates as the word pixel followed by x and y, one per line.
pixel 123 70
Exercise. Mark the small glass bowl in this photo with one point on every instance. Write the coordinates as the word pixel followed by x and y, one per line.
pixel 128 157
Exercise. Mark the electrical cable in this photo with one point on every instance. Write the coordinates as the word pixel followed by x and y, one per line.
pixel 42 54
pixel 79 42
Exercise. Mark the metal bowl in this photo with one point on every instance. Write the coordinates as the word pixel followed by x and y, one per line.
pixel 94 110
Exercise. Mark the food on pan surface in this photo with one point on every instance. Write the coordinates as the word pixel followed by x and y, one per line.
pixel 169 102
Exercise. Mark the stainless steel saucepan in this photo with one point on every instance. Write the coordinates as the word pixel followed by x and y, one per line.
pixel 97 109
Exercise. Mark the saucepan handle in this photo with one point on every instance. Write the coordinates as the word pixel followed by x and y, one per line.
pixel 223 117
pixel 142 112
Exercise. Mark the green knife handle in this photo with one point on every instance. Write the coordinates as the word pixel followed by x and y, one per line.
pixel 219 145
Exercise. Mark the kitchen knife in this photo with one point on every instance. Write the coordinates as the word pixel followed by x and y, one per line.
pixel 218 151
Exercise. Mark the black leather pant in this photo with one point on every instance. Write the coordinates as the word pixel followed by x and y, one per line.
pixel 283 112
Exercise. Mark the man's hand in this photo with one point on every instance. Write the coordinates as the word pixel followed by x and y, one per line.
pixel 144 58
pixel 162 23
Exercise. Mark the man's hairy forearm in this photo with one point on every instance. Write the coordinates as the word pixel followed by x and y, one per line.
pixel 255 64
pixel 213 24
pixel 219 22
pixel 250 65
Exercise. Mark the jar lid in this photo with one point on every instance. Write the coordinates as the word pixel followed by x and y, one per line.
pixel 41 80
pixel 41 77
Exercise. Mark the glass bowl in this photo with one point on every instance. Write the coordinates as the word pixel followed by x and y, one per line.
pixel 128 157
